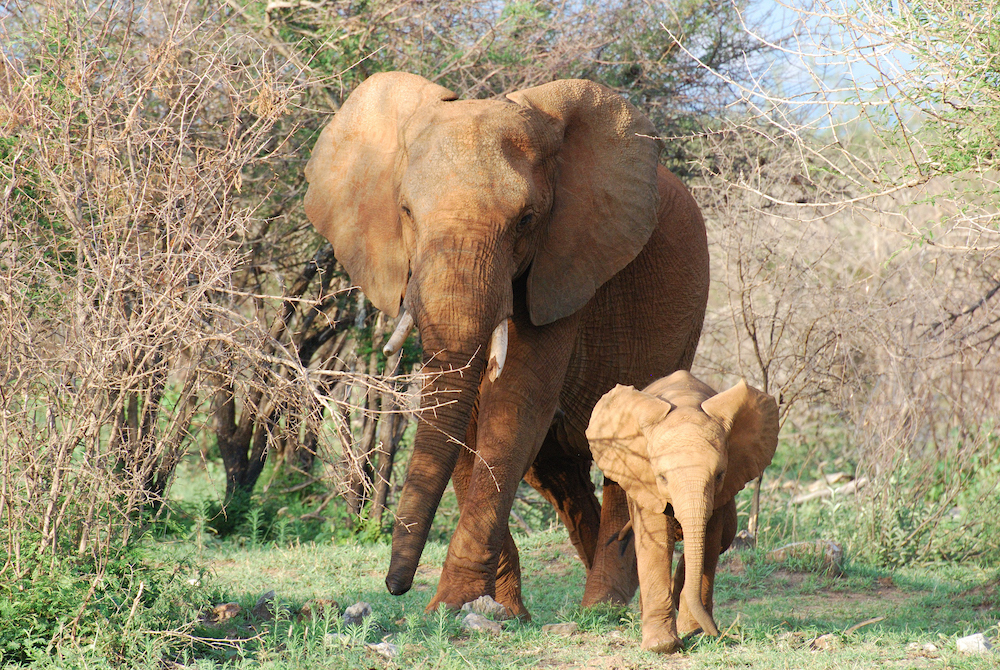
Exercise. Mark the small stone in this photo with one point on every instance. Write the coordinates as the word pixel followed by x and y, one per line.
pixel 478 623
pixel 826 642
pixel 221 613
pixel 384 649
pixel 264 609
pixel 973 644
pixel 356 613
pixel 743 540
pixel 921 649
pixel 486 606
pixel 791 638
pixel 317 607
pixel 564 629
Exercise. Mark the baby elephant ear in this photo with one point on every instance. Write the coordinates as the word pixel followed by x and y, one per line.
pixel 618 442
pixel 751 419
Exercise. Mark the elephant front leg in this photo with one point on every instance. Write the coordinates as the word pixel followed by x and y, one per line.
pixel 719 535
pixel 654 546
pixel 514 414
pixel 508 578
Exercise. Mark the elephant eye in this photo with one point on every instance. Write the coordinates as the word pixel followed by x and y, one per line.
pixel 718 477
pixel 406 211
pixel 524 222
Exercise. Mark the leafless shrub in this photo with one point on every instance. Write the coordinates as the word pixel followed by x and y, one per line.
pixel 481 49
pixel 126 232
pixel 859 263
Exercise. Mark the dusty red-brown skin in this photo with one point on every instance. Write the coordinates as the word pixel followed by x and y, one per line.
pixel 547 208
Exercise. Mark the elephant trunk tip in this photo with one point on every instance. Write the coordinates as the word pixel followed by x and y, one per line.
pixel 397 583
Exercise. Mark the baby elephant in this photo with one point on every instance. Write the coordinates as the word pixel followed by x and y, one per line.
pixel 681 452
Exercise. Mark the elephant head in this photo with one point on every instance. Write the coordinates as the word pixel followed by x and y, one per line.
pixel 680 445
pixel 437 205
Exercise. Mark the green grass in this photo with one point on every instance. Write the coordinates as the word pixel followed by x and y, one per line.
pixel 770 613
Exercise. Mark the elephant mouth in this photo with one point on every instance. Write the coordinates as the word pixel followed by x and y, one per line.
pixel 498 342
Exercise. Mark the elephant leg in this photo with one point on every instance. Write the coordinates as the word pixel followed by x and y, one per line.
pixel 515 412
pixel 508 579
pixel 613 577
pixel 563 478
pixel 719 535
pixel 508 585
pixel 654 548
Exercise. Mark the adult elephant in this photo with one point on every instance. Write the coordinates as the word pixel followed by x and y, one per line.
pixel 542 220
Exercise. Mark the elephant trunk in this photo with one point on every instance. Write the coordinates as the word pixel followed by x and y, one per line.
pixel 456 307
pixel 693 520
pixel 438 440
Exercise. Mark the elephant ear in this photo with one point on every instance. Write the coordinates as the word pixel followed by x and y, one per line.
pixel 750 418
pixel 618 442
pixel 352 198
pixel 606 196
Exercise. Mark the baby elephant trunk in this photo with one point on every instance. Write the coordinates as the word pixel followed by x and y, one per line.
pixel 694 520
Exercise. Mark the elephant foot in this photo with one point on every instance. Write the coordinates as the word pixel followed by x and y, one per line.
pixel 453 599
pixel 508 584
pixel 606 595
pixel 511 599
pixel 660 642
pixel 515 609
pixel 612 585
pixel 455 593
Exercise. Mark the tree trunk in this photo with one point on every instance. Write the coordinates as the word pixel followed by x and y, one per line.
pixel 440 435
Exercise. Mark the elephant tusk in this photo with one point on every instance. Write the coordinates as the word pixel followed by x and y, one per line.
pixel 498 351
pixel 399 335
pixel 624 532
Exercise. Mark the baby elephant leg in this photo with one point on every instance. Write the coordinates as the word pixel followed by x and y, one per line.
pixel 654 548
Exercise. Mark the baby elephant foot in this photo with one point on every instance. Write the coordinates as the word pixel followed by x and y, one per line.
pixel 660 641
pixel 659 633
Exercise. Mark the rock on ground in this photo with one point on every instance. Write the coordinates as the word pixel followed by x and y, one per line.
pixel 264 609
pixel 478 623
pixel 221 613
pixel 565 629
pixel 356 613
pixel 829 553
pixel 486 606
pixel 973 644
pixel 317 607
pixel 385 649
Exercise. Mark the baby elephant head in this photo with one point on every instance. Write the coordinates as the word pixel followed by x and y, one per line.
pixel 678 443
